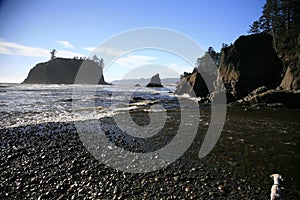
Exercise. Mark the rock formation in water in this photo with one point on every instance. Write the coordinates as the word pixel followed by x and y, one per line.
pixel 249 63
pixel 194 84
pixel 155 81
pixel 64 71
pixel 250 70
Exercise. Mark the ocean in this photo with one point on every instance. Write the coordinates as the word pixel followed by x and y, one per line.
pixel 36 103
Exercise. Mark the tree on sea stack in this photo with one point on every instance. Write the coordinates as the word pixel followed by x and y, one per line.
pixel 53 52
pixel 280 18
pixel 100 62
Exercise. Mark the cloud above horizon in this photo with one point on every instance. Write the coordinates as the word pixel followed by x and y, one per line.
pixel 15 49
pixel 106 50
pixel 179 68
pixel 133 61
pixel 65 44
pixel 11 48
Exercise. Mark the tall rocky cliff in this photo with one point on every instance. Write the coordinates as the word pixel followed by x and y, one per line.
pixel 61 71
pixel 249 63
pixel 252 74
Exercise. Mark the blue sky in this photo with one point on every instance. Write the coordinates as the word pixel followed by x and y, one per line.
pixel 30 29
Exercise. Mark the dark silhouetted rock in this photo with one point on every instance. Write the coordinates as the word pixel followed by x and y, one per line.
pixel 249 63
pixel 64 71
pixel 155 81
pixel 261 96
pixel 195 85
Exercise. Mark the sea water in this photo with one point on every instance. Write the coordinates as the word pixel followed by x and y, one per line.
pixel 22 104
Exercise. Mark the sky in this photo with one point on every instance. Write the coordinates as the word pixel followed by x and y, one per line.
pixel 30 29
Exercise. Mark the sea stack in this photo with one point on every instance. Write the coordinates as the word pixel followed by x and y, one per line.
pixel 64 71
pixel 249 63
pixel 195 85
pixel 155 81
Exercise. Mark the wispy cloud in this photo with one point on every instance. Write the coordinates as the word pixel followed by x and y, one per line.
pixel 133 61
pixel 12 48
pixel 68 54
pixel 105 50
pixel 180 68
pixel 89 49
pixel 65 44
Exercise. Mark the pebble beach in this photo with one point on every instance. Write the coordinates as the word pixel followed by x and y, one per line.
pixel 49 161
